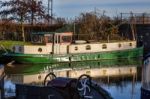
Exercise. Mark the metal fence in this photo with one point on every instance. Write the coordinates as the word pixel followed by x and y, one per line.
pixel 136 18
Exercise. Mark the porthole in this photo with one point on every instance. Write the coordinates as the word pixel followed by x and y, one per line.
pixel 76 48
pixel 119 45
pixel 130 44
pixel 40 50
pixel 88 47
pixel 104 46
pixel 39 77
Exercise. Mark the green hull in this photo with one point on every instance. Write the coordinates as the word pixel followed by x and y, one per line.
pixel 36 58
pixel 37 68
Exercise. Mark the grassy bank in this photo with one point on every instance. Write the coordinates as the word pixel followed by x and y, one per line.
pixel 8 44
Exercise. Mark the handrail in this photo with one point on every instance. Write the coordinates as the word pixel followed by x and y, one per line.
pixel 3 48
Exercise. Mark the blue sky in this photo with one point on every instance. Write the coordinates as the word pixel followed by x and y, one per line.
pixel 72 8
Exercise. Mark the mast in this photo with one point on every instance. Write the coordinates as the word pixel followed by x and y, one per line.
pixel 50 11
pixel 50 20
pixel 132 24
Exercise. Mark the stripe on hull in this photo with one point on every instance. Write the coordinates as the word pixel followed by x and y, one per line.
pixel 42 58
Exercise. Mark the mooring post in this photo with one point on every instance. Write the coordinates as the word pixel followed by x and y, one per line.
pixel 2 75
pixel 2 87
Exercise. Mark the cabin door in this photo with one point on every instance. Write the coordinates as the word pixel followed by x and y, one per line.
pixel 57 44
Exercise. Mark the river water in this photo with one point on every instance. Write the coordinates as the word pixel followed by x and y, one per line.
pixel 121 78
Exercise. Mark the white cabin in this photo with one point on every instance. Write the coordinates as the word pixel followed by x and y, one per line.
pixel 61 43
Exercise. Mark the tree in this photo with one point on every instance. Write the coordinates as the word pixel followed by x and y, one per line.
pixel 15 10
pixel 36 11
pixel 87 22
pixel 21 11
pixel 97 27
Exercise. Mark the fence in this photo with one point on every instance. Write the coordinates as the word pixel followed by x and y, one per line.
pixel 136 18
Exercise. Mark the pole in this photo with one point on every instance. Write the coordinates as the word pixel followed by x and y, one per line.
pixel 74 30
pixel 50 8
pixel 2 88
pixel 51 12
pixel 2 75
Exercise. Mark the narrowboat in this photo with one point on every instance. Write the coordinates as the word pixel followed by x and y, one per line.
pixel 54 47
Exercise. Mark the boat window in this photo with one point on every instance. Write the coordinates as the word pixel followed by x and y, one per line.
pixel 66 38
pixel 50 39
pixel 57 39
pixel 38 39
pixel 88 47
pixel 76 48
pixel 119 45
pixel 130 44
pixel 104 46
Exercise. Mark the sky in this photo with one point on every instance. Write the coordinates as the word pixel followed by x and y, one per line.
pixel 73 8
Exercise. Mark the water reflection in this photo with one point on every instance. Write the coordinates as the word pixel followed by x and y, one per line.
pixel 36 68
pixel 120 77
pixel 145 89
pixel 126 90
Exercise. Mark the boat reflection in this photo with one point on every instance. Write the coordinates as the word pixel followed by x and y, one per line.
pixel 119 77
pixel 96 69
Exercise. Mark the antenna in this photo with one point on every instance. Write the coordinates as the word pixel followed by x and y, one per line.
pixel 50 11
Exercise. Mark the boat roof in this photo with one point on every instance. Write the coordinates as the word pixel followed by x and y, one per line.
pixel 42 33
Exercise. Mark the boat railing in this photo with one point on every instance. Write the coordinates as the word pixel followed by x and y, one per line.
pixel 3 48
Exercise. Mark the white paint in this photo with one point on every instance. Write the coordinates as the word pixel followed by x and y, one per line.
pixel 97 47
pixel 64 59
pixel 70 48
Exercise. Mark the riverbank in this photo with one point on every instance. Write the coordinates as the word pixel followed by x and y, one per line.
pixel 6 46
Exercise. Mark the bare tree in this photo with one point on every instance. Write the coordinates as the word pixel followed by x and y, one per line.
pixel 97 27
pixel 15 10
pixel 36 11
pixel 21 11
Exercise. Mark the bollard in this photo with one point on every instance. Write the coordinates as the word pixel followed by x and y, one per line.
pixel 2 88
pixel 2 74
pixel 145 89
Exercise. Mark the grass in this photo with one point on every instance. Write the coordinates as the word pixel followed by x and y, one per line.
pixel 8 44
